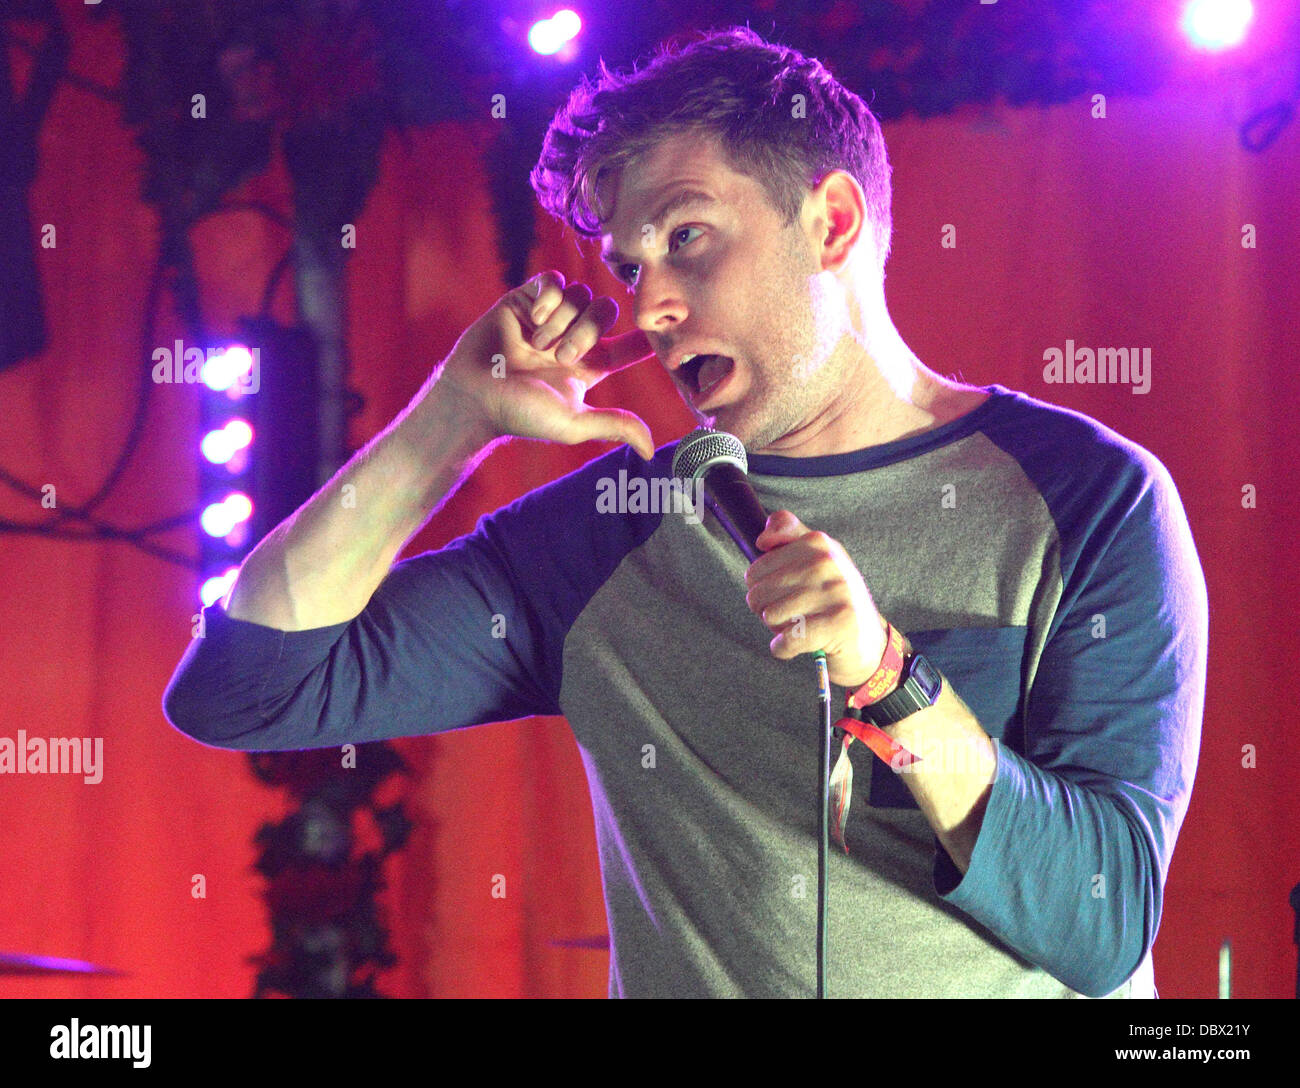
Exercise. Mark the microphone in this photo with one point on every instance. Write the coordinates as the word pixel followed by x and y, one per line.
pixel 718 460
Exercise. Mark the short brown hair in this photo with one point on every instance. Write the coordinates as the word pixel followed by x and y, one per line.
pixel 737 87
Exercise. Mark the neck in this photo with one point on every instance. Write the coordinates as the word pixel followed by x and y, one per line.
pixel 882 392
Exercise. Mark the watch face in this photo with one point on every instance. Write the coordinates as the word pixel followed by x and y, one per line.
pixel 920 688
pixel 926 675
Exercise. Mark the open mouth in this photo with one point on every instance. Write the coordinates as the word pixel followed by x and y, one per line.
pixel 703 374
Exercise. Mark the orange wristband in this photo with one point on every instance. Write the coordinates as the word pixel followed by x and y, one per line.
pixel 885 678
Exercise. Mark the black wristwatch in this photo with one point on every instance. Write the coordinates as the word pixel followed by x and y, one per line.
pixel 918 687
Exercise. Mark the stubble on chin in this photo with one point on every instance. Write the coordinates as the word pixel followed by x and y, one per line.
pixel 757 419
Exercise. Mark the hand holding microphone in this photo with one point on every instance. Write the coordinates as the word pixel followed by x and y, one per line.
pixel 801 583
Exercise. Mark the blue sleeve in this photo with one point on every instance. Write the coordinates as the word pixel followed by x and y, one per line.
pixel 468 634
pixel 447 640
pixel 1071 859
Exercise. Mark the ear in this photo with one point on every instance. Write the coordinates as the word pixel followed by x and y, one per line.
pixel 839 211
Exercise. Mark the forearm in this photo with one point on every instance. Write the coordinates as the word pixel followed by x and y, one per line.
pixel 954 776
pixel 1065 878
pixel 1064 875
pixel 321 565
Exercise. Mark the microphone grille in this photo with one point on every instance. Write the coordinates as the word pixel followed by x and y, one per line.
pixel 703 448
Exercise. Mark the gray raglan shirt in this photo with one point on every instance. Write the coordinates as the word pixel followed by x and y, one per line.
pixel 1042 562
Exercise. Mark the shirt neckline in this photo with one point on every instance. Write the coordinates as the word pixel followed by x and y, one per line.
pixel 839 464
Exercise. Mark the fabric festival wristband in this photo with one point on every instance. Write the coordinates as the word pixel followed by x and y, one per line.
pixel 841 785
pixel 885 679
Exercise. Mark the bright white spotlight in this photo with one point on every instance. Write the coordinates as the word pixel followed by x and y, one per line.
pixel 240 506
pixel 219 518
pixel 566 22
pixel 240 433
pixel 223 368
pixel 221 445
pixel 217 447
pixel 549 36
pixel 215 587
pixel 1217 24
pixel 544 38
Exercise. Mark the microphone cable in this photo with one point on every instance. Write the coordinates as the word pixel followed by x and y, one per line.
pixel 719 461
pixel 823 809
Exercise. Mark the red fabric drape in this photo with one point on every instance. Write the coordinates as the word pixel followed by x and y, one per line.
pixel 1112 232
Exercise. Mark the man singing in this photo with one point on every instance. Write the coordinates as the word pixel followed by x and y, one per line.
pixel 1009 590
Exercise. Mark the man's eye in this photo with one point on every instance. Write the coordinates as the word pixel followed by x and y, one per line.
pixel 626 272
pixel 682 230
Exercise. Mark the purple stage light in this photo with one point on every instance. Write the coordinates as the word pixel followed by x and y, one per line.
pixel 221 445
pixel 215 587
pixel 220 518
pixel 223 368
pixel 1213 25
pixel 216 447
pixel 240 506
pixel 549 36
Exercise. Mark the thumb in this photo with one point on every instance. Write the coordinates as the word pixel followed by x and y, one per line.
pixel 782 527
pixel 612 425
pixel 613 353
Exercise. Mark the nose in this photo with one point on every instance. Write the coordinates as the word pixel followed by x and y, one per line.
pixel 659 304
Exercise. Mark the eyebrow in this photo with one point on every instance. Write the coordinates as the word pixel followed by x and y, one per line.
pixel 684 198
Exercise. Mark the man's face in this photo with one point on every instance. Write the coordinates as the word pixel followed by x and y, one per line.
pixel 720 275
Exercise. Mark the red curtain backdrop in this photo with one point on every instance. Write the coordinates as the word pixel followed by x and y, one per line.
pixel 1122 231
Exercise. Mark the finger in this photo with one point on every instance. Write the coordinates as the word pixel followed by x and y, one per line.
pixel 800 603
pixel 612 425
pixel 535 292
pixel 586 331
pixel 824 629
pixel 800 638
pixel 614 353
pixel 811 549
pixel 782 527
pixel 548 291
pixel 769 600
pixel 775 593
pixel 530 294
pixel 556 319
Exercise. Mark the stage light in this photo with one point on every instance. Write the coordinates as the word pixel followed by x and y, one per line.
pixel 549 36
pixel 216 447
pixel 219 446
pixel 216 519
pixel 260 458
pixel 240 506
pixel 220 518
pixel 1217 24
pixel 215 587
pixel 222 369
pixel 241 433
pixel 567 23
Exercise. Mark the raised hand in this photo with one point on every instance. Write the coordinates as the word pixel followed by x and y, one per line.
pixel 528 362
